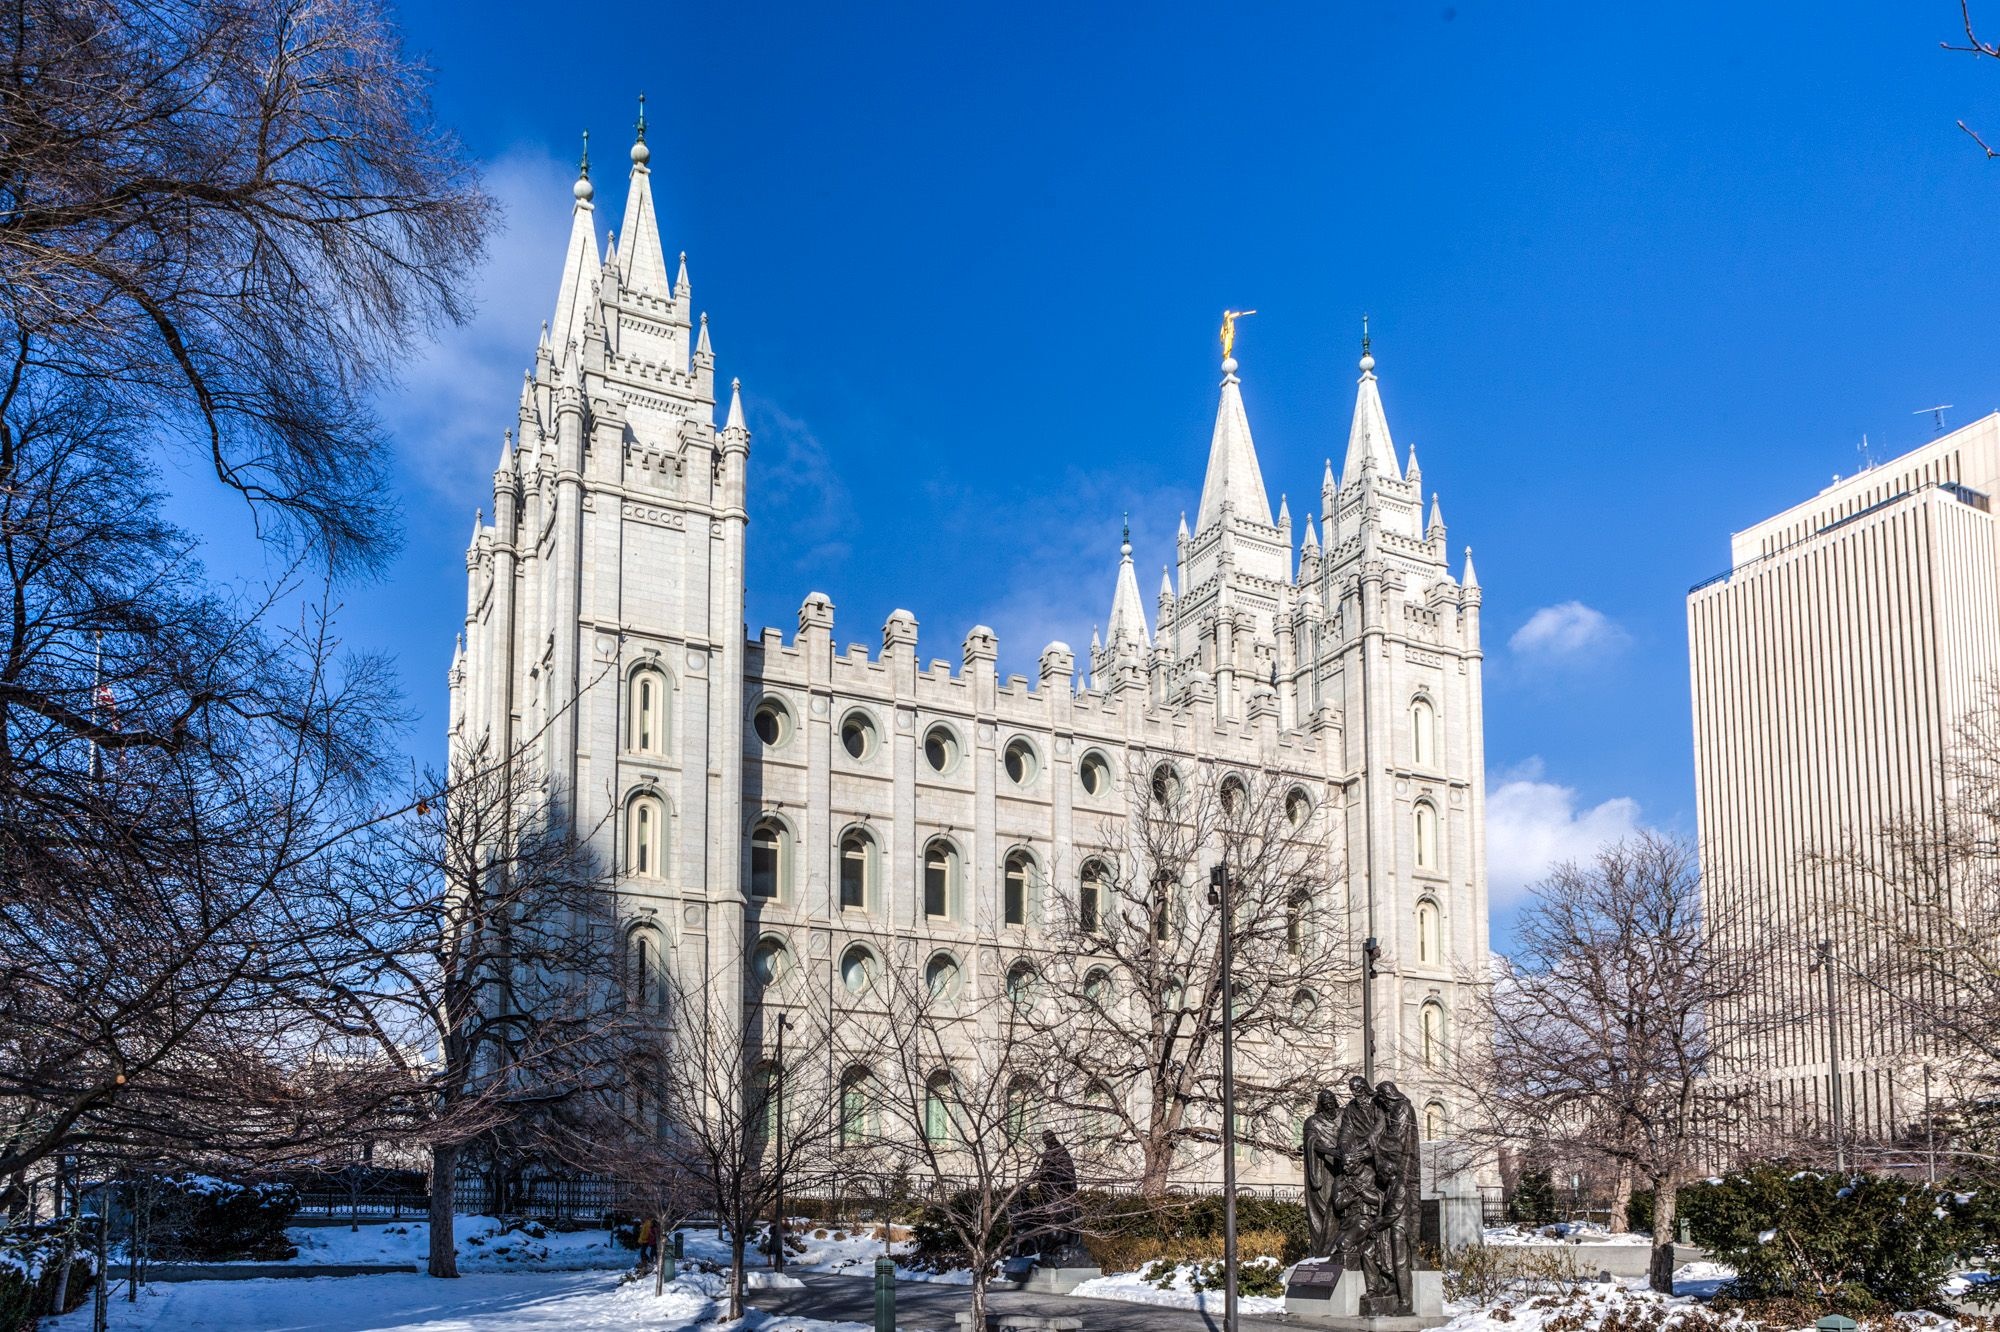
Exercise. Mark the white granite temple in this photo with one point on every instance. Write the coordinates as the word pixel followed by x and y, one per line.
pixel 782 801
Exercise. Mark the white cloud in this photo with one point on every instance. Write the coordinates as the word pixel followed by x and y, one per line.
pixel 1570 629
pixel 1533 824
pixel 459 394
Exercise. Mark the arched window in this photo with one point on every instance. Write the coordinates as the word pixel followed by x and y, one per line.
pixel 1021 761
pixel 1423 733
pixel 770 960
pixel 762 1110
pixel 941 748
pixel 1166 786
pixel 857 869
pixel 937 1108
pixel 1235 796
pixel 1014 886
pixel 1425 824
pixel 648 697
pixel 1298 807
pixel 1020 983
pixel 770 857
pixel 1429 938
pixel 645 970
pixel 857 734
pixel 941 873
pixel 1434 1121
pixel 941 975
pixel 857 969
pixel 1097 986
pixel 1433 1033
pixel 1020 1110
pixel 1166 900
pixel 772 721
pixel 1092 895
pixel 1100 1114
pixel 646 837
pixel 1305 1010
pixel 1095 774
pixel 1296 907
pixel 857 1107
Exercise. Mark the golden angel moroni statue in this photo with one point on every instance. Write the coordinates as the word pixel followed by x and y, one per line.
pixel 1229 318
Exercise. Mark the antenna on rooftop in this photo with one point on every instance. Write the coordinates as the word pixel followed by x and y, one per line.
pixel 1867 458
pixel 1936 413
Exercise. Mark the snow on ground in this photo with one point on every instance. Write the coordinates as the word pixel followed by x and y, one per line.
pixel 411 1302
pixel 1135 1289
pixel 1565 1232
pixel 481 1246
pixel 1703 1280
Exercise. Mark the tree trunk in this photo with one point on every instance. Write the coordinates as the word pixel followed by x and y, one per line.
pixel 979 1296
pixel 444 1198
pixel 1621 1199
pixel 736 1271
pixel 1663 1236
pixel 662 1246
pixel 1156 1168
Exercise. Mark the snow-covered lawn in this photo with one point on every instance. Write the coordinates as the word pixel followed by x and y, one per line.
pixel 1563 1232
pixel 1134 1288
pixel 481 1246
pixel 399 1302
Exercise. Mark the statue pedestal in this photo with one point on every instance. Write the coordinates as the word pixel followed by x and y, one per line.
pixel 1325 1294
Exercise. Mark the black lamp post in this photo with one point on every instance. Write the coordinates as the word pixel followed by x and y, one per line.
pixel 1218 895
pixel 778 1113
pixel 1824 963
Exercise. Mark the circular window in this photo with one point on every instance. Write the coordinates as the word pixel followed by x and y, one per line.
pixel 857 735
pixel 942 976
pixel 941 749
pixel 1235 796
pixel 1304 1008
pixel 1021 762
pixel 1298 807
pixel 1097 985
pixel 857 969
pixel 1095 774
pixel 772 721
pixel 1020 982
pixel 1166 787
pixel 770 960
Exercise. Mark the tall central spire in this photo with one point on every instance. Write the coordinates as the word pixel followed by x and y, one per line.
pixel 1233 474
pixel 1128 613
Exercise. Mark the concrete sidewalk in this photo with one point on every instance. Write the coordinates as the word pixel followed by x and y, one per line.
pixel 926 1304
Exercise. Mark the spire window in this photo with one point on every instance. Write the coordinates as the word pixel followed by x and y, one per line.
pixel 770 859
pixel 941 876
pixel 1423 733
pixel 857 869
pixel 647 708
pixel 1092 895
pixel 1432 1021
pixel 1430 948
pixel 1424 824
pixel 645 837
pixel 1015 885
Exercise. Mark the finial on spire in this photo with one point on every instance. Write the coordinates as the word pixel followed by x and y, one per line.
pixel 583 189
pixel 1125 537
pixel 1367 356
pixel 641 154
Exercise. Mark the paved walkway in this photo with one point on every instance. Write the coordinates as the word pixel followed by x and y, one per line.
pixel 928 1304
pixel 256 1271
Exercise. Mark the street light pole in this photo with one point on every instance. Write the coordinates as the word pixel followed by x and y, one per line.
pixel 1370 950
pixel 1825 963
pixel 1218 894
pixel 778 1094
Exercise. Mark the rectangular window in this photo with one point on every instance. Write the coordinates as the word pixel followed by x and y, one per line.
pixel 763 865
pixel 854 877
pixel 1016 905
pixel 937 885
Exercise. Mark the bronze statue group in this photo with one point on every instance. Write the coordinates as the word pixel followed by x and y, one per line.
pixel 1362 1183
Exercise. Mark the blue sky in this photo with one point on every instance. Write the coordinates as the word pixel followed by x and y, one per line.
pixel 1639 276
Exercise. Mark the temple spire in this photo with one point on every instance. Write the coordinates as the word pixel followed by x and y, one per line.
pixel 1233 478
pixel 1368 439
pixel 645 262
pixel 735 421
pixel 1128 613
pixel 581 264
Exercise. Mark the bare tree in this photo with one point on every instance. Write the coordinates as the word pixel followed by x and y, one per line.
pixel 1916 926
pixel 1135 956
pixel 1976 48
pixel 965 1091
pixel 232 220
pixel 470 948
pixel 173 764
pixel 713 1107
pixel 1625 1026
